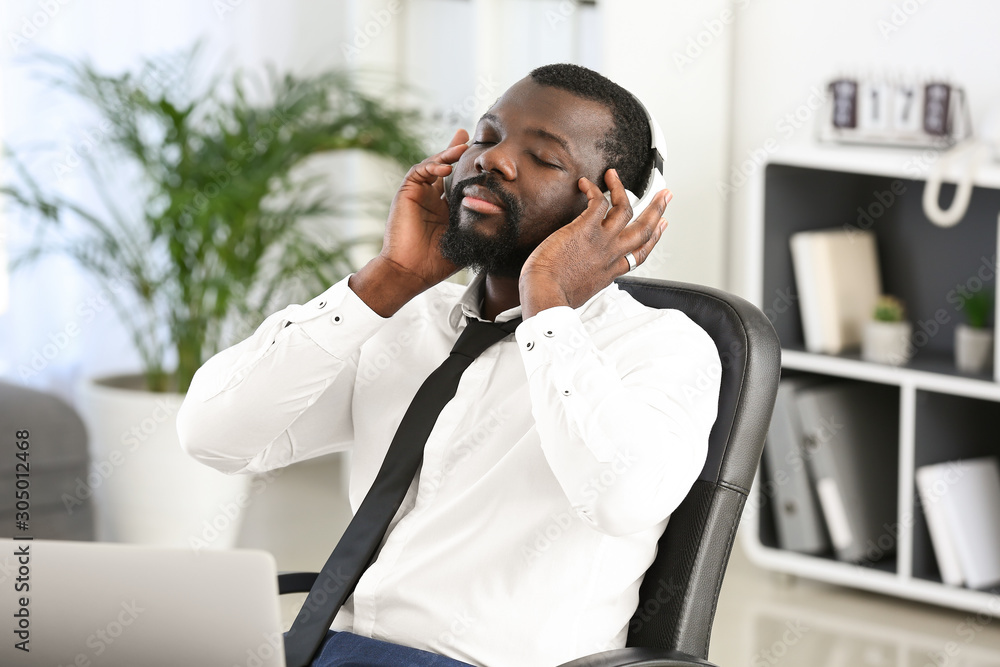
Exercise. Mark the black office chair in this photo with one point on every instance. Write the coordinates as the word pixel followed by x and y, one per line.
pixel 673 622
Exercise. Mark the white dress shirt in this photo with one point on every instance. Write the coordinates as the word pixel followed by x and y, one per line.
pixel 545 483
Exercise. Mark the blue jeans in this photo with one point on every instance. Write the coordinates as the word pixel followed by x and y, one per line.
pixel 343 649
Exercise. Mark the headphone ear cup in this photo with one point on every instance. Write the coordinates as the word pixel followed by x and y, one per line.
pixel 656 184
pixel 632 201
pixel 656 180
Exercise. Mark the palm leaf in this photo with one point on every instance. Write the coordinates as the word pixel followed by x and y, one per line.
pixel 212 236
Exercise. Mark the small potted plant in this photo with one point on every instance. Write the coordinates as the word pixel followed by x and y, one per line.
pixel 886 337
pixel 974 339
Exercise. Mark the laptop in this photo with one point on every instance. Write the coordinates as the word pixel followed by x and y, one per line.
pixel 123 605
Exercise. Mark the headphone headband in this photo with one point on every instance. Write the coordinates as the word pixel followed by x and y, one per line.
pixel 655 181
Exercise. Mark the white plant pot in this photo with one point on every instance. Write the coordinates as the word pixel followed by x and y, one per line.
pixel 146 489
pixel 973 349
pixel 886 342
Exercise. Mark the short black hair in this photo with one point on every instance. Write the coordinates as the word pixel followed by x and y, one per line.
pixel 627 148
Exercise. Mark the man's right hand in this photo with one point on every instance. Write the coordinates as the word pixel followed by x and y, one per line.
pixel 411 261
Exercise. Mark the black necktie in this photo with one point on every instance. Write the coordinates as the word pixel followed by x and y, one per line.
pixel 356 549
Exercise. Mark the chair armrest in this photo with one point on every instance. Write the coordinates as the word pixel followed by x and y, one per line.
pixel 295 582
pixel 639 656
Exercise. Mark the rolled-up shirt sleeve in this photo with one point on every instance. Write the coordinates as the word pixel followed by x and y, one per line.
pixel 283 394
pixel 625 434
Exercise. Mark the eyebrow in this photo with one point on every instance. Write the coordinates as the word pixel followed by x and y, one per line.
pixel 537 131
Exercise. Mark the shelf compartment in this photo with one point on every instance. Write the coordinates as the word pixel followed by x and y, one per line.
pixel 879 554
pixel 929 268
pixel 948 428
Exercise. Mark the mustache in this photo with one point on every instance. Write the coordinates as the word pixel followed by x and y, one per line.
pixel 489 182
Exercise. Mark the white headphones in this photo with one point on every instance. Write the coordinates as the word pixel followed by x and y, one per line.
pixel 654 182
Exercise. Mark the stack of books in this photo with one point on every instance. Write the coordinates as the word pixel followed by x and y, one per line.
pixel 961 502
pixel 831 454
pixel 838 284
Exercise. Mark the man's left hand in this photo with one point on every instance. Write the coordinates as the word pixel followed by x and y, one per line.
pixel 578 260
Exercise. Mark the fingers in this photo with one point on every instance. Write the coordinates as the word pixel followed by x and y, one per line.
pixel 461 137
pixel 636 233
pixel 642 252
pixel 621 208
pixel 427 172
pixel 457 146
pixel 597 204
pixel 439 165
pixel 641 237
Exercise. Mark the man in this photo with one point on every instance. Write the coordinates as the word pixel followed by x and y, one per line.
pixel 549 477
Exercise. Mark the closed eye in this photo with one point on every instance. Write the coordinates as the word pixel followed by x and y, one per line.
pixel 537 159
pixel 544 163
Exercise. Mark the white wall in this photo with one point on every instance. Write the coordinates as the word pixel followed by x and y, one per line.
pixel 786 48
pixel 676 54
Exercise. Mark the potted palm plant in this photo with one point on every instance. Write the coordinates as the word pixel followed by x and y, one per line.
pixel 974 338
pixel 223 232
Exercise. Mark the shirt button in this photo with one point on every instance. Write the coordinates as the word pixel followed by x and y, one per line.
pixel 566 392
pixel 321 304
pixel 337 319
pixel 530 344
pixel 549 334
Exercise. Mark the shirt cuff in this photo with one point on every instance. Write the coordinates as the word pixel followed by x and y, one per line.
pixel 337 320
pixel 554 336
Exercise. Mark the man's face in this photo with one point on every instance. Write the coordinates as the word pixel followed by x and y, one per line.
pixel 517 182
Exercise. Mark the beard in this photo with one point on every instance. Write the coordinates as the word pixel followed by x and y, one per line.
pixel 498 255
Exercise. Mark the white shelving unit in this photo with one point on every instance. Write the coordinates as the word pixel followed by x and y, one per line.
pixel 943 414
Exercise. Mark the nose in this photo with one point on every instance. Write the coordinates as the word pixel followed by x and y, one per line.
pixel 497 159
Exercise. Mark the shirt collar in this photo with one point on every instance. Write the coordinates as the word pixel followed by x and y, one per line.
pixel 471 301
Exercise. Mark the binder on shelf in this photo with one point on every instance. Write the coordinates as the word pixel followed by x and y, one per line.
pixel 851 442
pixel 798 521
pixel 968 495
pixel 932 482
pixel 838 283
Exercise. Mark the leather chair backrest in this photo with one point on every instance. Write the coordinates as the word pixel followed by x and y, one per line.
pixel 679 593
